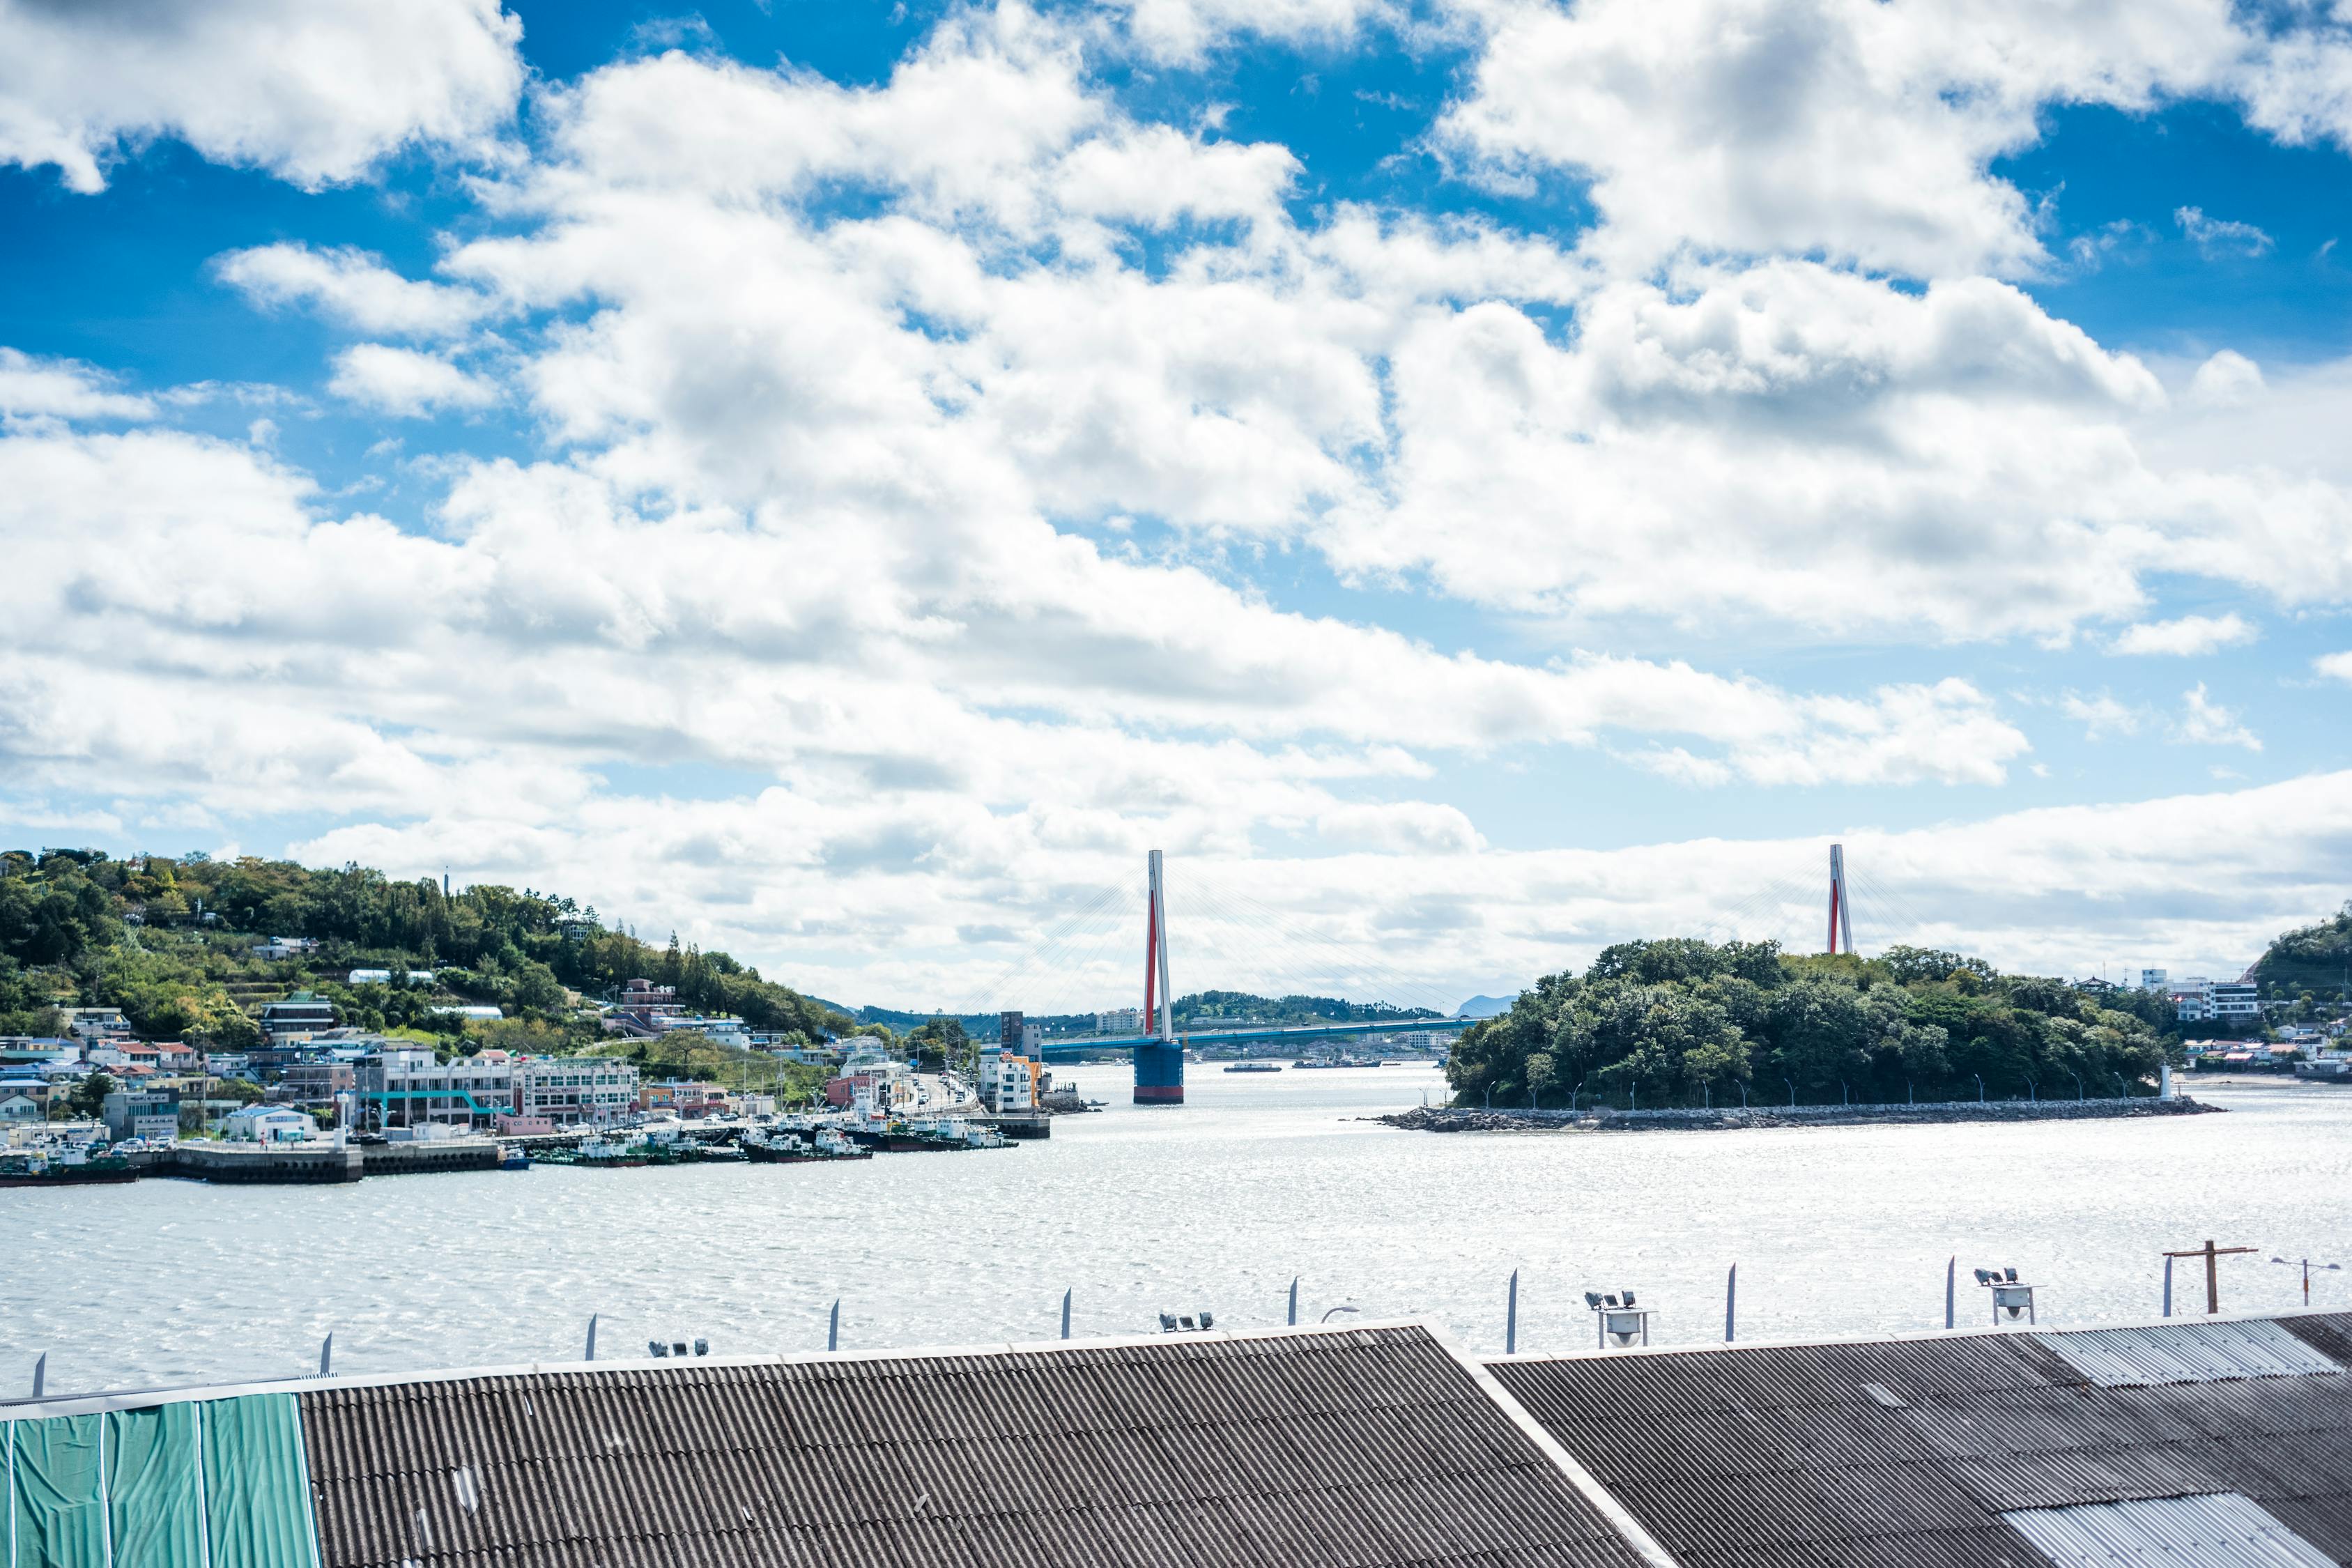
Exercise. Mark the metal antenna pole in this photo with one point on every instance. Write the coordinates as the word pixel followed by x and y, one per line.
pixel 1293 1301
pixel 2167 1284
pixel 326 1356
pixel 41 1374
pixel 1731 1305
pixel 1066 1312
pixel 1511 1318
pixel 592 1338
pixel 1951 1273
pixel 833 1331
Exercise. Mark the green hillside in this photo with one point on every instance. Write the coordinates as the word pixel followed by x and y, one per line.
pixel 2314 961
pixel 169 942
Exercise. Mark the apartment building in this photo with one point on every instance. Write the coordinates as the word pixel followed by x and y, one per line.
pixel 410 1088
pixel 572 1091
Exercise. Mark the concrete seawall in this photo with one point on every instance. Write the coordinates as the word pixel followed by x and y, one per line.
pixel 1473 1119
pixel 309 1164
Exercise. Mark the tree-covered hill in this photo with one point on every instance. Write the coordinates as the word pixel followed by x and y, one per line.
pixel 170 941
pixel 1681 1021
pixel 2315 960
pixel 1293 1009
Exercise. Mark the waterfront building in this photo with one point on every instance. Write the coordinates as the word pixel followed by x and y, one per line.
pixel 317 1083
pixel 151 1114
pixel 572 1091
pixel 2199 1000
pixel 687 1098
pixel 1008 1082
pixel 19 1104
pixel 267 1124
pixel 408 1085
pixel 1119 1021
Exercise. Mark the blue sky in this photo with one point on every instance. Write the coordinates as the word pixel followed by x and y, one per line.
pixel 834 478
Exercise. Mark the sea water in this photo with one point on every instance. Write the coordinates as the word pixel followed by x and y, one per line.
pixel 1214 1206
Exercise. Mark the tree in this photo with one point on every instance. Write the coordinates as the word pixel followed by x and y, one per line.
pixel 88 1096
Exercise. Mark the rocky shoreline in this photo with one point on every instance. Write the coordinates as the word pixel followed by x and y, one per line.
pixel 1456 1118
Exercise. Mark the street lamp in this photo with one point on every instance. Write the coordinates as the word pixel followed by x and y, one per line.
pixel 1792 1090
pixel 2307 1264
pixel 1337 1311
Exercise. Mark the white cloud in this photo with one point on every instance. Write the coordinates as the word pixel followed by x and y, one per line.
pixel 2205 722
pixel 1183 31
pixel 2218 237
pixel 2188 636
pixel 314 91
pixel 63 389
pixel 1857 129
pixel 2337 666
pixel 352 285
pixel 2227 379
pixel 2100 715
pixel 405 383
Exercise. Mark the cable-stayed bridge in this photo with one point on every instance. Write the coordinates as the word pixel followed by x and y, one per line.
pixel 1160 1046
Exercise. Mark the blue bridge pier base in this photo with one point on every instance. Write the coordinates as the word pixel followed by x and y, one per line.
pixel 1159 1075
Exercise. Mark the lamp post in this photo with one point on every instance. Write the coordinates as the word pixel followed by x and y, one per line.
pixel 1792 1090
pixel 1337 1311
pixel 1979 1078
pixel 2078 1083
pixel 2308 1265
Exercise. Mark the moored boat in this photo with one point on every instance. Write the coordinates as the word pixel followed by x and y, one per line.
pixel 66 1168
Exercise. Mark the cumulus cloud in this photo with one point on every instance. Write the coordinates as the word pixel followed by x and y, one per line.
pixel 351 286
pixel 2186 637
pixel 933 513
pixel 405 382
pixel 2205 722
pixel 315 91
pixel 2337 666
pixel 32 388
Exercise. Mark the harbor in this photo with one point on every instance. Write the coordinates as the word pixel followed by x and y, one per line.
pixel 1266 1179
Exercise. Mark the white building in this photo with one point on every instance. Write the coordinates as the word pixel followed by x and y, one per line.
pixel 1119 1021
pixel 267 1124
pixel 2199 1000
pixel 285 947
pixel 472 1012
pixel 572 1090
pixel 2151 979
pixel 408 1088
pixel 1008 1082
pixel 95 1022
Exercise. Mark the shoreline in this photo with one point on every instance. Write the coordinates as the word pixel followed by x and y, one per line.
pixel 1473 1119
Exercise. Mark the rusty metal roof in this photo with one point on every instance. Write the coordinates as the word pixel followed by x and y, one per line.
pixel 1364 1446
pixel 1772 1455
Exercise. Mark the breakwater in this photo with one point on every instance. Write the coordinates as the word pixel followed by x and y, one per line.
pixel 1476 1119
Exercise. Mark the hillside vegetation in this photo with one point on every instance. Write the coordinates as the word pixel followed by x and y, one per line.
pixel 2314 961
pixel 1681 1021
pixel 169 942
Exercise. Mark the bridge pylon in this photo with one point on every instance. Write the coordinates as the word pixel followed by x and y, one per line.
pixel 1159 1062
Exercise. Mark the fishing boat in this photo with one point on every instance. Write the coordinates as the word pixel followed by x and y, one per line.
pixel 794 1149
pixel 1254 1067
pixel 64 1168
pixel 516 1158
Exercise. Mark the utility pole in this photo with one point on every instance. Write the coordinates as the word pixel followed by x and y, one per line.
pixel 2211 1255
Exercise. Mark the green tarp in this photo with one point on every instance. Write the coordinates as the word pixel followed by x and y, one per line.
pixel 151 1487
pixel 256 1483
pixel 220 1483
pixel 56 1517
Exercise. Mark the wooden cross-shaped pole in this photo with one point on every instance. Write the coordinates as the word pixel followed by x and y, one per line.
pixel 2210 1254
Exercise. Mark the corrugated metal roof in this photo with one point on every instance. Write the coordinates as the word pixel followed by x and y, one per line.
pixel 2215 1531
pixel 2190 1352
pixel 1785 1453
pixel 1363 1448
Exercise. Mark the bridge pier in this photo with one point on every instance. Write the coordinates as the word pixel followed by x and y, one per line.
pixel 1159 1075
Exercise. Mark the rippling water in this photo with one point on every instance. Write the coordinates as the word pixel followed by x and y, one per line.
pixel 1217 1206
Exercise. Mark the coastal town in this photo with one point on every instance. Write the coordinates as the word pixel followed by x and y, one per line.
pixel 97 1103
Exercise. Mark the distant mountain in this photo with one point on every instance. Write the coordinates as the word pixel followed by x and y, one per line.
pixel 1484 1008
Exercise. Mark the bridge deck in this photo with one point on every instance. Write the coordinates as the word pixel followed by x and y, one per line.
pixel 1300 1035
